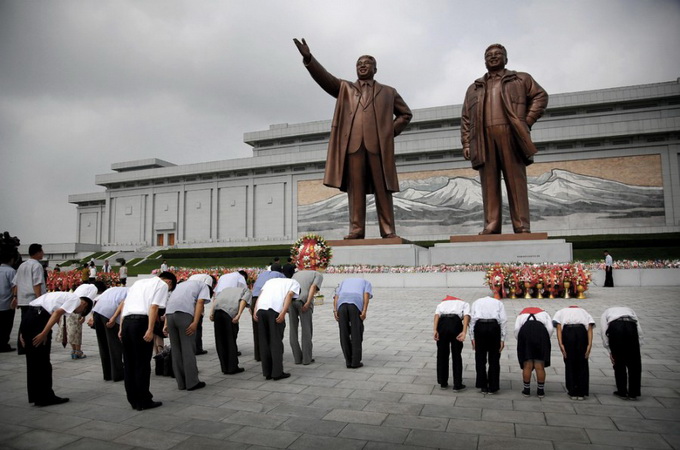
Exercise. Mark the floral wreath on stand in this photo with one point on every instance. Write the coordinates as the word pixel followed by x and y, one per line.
pixel 311 252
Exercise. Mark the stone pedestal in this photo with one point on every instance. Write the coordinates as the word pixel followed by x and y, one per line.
pixel 378 252
pixel 501 248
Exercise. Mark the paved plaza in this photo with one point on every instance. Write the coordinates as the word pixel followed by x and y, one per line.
pixel 392 402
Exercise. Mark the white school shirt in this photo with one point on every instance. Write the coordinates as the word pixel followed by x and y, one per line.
pixel 540 316
pixel 611 315
pixel 274 293
pixel 143 294
pixel 50 302
pixel 488 308
pixel 230 280
pixel 457 307
pixel 108 302
pixel 573 315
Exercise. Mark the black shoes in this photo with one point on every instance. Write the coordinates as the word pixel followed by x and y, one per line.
pixel 357 366
pixel 540 392
pixel 526 392
pixel 151 405
pixel 460 388
pixel 238 370
pixel 52 401
pixel 201 352
pixel 621 395
pixel 200 385
pixel 281 377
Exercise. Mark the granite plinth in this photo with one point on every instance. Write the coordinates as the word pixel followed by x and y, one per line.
pixel 502 251
pixel 499 237
pixel 376 241
pixel 379 255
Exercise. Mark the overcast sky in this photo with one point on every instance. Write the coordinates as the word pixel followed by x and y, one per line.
pixel 84 84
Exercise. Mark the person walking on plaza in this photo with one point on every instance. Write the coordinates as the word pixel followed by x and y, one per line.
pixel 226 312
pixel 106 318
pixel 622 336
pixel 487 331
pixel 140 310
pixel 106 268
pixel 35 333
pixel 262 278
pixel 608 270
pixel 29 282
pixel 164 266
pixel 451 320
pixel 182 314
pixel 350 305
pixel 92 272
pixel 270 313
pixel 533 329
pixel 574 328
pixel 301 311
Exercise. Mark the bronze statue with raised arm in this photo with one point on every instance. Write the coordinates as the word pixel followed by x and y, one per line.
pixel 498 112
pixel 368 115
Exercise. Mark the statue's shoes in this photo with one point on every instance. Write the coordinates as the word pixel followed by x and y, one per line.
pixel 486 231
pixel 354 236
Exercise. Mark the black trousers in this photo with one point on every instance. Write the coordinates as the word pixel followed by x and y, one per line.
pixel 271 343
pixel 576 373
pixel 20 348
pixel 38 366
pixel 351 333
pixel 110 348
pixel 449 328
pixel 487 348
pixel 624 344
pixel 256 333
pixel 137 358
pixel 6 324
pixel 226 333
pixel 608 277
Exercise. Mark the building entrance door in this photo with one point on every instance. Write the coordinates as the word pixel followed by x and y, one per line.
pixel 171 239
pixel 159 240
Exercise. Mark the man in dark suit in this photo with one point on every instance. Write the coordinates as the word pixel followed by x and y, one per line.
pixel 368 115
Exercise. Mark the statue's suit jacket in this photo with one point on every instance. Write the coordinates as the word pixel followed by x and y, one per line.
pixel 391 115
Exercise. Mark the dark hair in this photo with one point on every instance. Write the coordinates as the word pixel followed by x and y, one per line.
pixel 101 287
pixel 34 249
pixel 290 259
pixel 169 276
pixel 88 308
pixel 277 259
pixel 244 274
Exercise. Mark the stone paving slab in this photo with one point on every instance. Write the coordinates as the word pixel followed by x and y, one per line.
pixel 393 402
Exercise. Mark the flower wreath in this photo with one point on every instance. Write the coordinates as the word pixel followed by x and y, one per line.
pixel 311 252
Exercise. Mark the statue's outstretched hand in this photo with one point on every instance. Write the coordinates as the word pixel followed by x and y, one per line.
pixel 303 48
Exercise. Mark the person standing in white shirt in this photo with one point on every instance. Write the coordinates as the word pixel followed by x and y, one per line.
pixel 574 328
pixel 487 330
pixel 451 319
pixel 29 282
pixel 270 313
pixel 622 336
pixel 139 313
pixel 533 329
pixel 608 270
pixel 35 334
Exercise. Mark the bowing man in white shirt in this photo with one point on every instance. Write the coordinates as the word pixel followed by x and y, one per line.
pixel 270 313
pixel 622 336
pixel 105 316
pixel 451 319
pixel 35 334
pixel 140 310
pixel 574 328
pixel 487 330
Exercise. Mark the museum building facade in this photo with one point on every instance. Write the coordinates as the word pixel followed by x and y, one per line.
pixel 608 162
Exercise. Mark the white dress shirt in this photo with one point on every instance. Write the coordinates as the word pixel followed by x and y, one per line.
pixel 573 315
pixel 613 313
pixel 488 308
pixel 50 302
pixel 143 294
pixel 457 307
pixel 108 302
pixel 230 280
pixel 274 293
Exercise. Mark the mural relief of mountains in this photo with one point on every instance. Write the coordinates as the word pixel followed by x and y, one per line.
pixel 443 206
